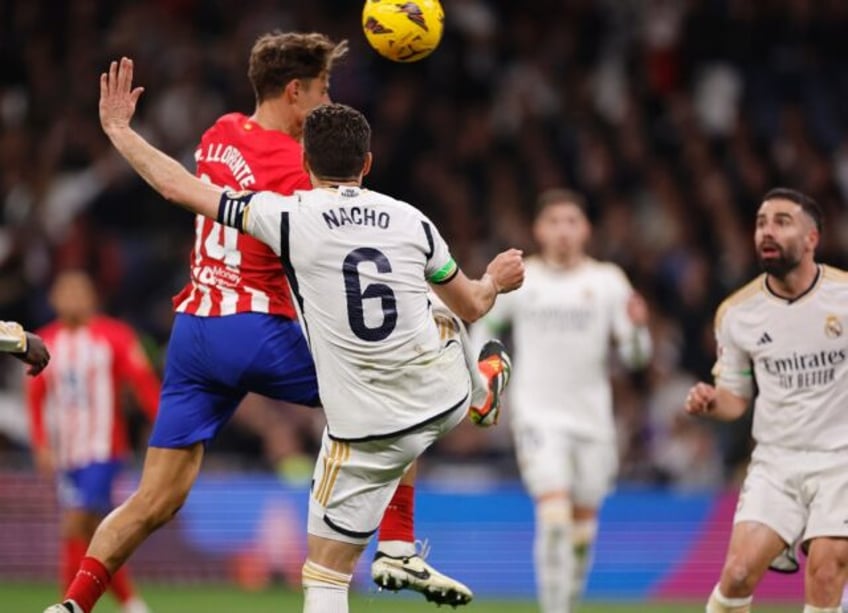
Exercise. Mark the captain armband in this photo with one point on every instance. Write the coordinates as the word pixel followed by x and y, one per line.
pixel 233 207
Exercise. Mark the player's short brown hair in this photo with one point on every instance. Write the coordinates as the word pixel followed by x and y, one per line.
pixel 560 195
pixel 336 141
pixel 807 204
pixel 278 58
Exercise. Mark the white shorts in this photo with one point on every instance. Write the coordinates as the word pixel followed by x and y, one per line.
pixel 354 481
pixel 554 460
pixel 796 493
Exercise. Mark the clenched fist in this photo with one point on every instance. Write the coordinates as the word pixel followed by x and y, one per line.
pixel 507 270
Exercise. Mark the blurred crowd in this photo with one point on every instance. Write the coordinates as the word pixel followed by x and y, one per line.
pixel 673 117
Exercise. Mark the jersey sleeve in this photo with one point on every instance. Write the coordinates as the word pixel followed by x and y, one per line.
pixel 258 214
pixel 440 267
pixel 136 370
pixel 12 337
pixel 732 370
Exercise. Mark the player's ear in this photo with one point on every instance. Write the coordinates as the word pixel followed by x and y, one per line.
pixel 292 90
pixel 813 238
pixel 366 167
pixel 305 164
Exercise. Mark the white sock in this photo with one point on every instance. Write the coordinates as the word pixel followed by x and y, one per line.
pixel 808 608
pixel 397 549
pixel 585 532
pixel 325 590
pixel 719 603
pixel 553 555
pixel 135 605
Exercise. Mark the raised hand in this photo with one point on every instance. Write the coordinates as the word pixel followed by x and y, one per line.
pixel 117 97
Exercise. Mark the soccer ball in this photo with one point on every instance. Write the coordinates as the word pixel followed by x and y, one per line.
pixel 403 31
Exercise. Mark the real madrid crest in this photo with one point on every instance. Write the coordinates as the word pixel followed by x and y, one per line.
pixel 832 327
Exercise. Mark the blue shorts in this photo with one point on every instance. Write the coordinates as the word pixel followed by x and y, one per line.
pixel 89 488
pixel 213 362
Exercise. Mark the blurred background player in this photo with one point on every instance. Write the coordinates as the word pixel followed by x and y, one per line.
pixel 786 331
pixel 78 429
pixel 26 346
pixel 238 291
pixel 391 385
pixel 563 321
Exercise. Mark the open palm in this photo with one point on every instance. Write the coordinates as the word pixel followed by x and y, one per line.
pixel 117 97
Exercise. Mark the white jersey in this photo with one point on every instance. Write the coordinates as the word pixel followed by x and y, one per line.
pixel 358 264
pixel 796 352
pixel 563 322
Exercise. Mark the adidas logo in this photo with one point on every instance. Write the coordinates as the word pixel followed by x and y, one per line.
pixel 765 339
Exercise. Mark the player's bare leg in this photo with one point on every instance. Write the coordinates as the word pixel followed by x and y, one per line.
pixel 584 533
pixel 752 547
pixel 826 574
pixel 77 528
pixel 552 551
pixel 166 479
pixel 397 562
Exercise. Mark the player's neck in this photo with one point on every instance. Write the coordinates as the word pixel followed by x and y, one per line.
pixel 334 183
pixel 796 282
pixel 73 323
pixel 564 262
pixel 270 116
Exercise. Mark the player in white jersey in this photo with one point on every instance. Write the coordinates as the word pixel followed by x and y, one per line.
pixel 26 346
pixel 563 320
pixel 785 331
pixel 360 266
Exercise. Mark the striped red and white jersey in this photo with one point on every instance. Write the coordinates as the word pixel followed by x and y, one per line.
pixel 232 272
pixel 75 404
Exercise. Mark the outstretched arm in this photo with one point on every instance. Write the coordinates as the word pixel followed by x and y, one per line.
pixel 167 176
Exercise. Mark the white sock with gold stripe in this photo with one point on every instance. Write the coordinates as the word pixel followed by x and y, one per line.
pixel 719 603
pixel 325 590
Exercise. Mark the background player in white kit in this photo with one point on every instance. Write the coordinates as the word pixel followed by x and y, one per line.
pixel 360 265
pixel 786 330
pixel 562 320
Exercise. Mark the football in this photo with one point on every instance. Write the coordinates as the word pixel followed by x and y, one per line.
pixel 403 31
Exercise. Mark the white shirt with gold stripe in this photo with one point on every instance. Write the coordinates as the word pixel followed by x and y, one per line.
pixel 796 352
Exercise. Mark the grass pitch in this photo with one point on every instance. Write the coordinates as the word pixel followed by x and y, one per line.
pixel 33 598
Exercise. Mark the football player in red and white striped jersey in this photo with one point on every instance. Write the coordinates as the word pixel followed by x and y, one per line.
pixel 77 426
